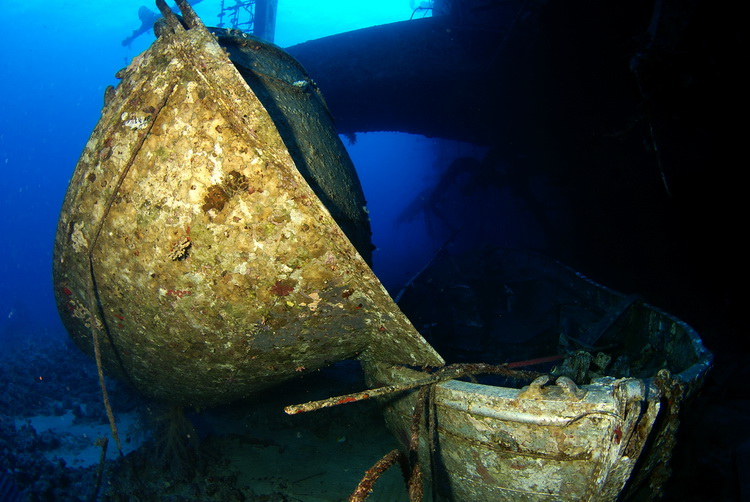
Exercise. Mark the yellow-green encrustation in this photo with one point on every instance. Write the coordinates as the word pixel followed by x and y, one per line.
pixel 202 245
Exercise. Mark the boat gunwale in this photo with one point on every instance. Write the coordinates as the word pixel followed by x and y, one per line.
pixel 692 373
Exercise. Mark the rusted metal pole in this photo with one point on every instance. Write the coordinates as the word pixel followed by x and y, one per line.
pixel 446 373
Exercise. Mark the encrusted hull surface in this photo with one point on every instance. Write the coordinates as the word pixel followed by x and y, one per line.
pixel 209 265
pixel 603 431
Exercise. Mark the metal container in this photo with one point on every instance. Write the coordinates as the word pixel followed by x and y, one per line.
pixel 604 430
pixel 211 267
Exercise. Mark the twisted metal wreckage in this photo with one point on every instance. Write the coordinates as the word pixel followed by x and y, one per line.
pixel 214 242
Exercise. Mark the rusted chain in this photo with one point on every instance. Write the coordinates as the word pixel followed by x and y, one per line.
pixel 424 407
pixel 365 487
pixel 95 341
pixel 410 467
pixel 94 304
pixel 102 443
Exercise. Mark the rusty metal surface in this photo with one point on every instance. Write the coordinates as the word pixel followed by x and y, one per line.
pixel 606 437
pixel 498 443
pixel 217 270
pixel 303 121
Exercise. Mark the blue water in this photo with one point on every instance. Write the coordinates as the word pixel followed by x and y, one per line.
pixel 680 249
pixel 56 62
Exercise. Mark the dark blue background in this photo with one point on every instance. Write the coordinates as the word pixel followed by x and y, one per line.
pixel 55 62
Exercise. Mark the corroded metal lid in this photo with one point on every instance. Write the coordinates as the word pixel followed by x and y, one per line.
pixel 212 267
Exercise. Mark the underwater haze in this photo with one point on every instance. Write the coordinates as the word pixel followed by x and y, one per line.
pixel 595 133
pixel 57 59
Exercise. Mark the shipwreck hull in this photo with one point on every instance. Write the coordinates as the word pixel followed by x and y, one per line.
pixel 499 443
pixel 209 264
pixel 602 433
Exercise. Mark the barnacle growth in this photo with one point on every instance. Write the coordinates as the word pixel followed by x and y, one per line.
pixel 217 195
pixel 235 182
pixel 180 250
pixel 212 166
pixel 215 198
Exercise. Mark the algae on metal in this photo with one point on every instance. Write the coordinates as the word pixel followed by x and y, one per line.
pixel 302 119
pixel 535 444
pixel 218 271
pixel 606 436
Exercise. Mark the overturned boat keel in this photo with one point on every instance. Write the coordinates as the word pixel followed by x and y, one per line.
pixel 193 250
